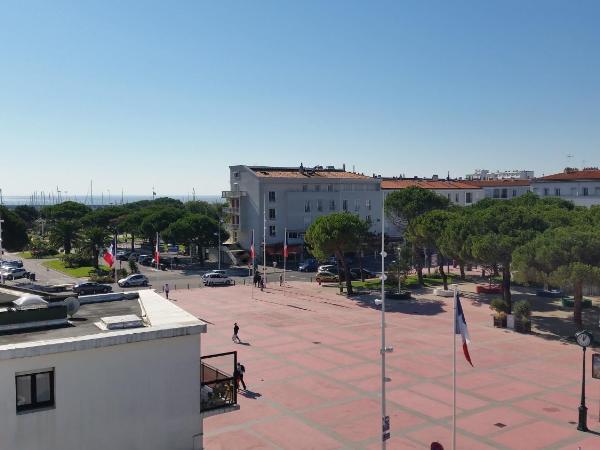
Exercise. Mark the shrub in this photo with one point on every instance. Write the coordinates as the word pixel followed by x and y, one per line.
pixel 133 267
pixel 75 260
pixel 522 309
pixel 499 305
pixel 40 248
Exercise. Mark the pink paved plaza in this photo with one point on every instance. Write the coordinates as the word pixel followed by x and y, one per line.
pixel 313 365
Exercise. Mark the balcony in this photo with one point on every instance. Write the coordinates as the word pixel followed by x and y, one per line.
pixel 231 210
pixel 233 194
pixel 233 226
pixel 218 393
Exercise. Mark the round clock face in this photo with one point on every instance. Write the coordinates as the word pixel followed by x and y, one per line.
pixel 584 339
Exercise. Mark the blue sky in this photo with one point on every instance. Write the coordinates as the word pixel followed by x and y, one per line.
pixel 134 94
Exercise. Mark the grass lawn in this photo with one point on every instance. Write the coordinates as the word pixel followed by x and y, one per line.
pixel 411 282
pixel 79 272
pixel 27 255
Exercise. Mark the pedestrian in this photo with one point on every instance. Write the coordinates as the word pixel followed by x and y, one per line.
pixel 235 338
pixel 167 290
pixel 262 283
pixel 436 446
pixel 256 279
pixel 281 280
pixel 239 376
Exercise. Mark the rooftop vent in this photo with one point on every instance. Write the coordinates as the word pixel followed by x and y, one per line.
pixel 121 322
pixel 435 177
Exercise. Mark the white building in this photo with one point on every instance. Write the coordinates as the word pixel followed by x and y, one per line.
pixel 120 375
pixel 582 187
pixel 516 174
pixel 503 188
pixel 292 198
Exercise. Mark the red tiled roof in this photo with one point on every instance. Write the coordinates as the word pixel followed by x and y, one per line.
pixel 294 172
pixel 499 183
pixel 427 184
pixel 590 174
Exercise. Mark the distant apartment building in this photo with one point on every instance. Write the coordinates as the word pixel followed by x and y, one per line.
pixel 458 192
pixel 582 187
pixel 122 374
pixel 291 198
pixel 503 189
pixel 484 174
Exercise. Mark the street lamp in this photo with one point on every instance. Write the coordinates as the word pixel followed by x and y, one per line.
pixel 584 339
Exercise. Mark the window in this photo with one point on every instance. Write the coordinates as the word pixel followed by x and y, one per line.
pixel 597 190
pixel 331 205
pixel 317 188
pixel 292 235
pixel 496 193
pixel 369 219
pixel 505 193
pixel 574 192
pixel 304 187
pixel 271 196
pixel 368 204
pixel 345 205
pixel 456 197
pixel 586 192
pixel 448 197
pixel 272 230
pixel 236 174
pixel 546 191
pixel 557 192
pixel 469 197
pixel 35 390
pixel 319 205
pixel 307 206
pixel 514 193
pixel 272 214
pixel 330 188
pixel 356 205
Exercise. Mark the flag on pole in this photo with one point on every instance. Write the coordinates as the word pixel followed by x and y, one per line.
pixel 461 328
pixel 285 247
pixel 157 252
pixel 252 253
pixel 109 255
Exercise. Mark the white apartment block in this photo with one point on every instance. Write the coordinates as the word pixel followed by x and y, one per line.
pixel 120 375
pixel 503 189
pixel 516 174
pixel 582 187
pixel 292 198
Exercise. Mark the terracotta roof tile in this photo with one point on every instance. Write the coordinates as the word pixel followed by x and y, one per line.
pixel 499 183
pixel 427 184
pixel 591 174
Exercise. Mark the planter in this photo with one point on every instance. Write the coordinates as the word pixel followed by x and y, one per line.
pixel 510 321
pixel 569 302
pixel 522 326
pixel 395 295
pixel 499 322
pixel 554 293
pixel 440 292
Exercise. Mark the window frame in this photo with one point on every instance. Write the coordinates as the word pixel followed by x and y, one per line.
pixel 35 405
pixel 272 198
pixel 272 231
pixel 274 215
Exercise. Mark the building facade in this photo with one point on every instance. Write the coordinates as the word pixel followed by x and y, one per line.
pixel 484 174
pixel 503 189
pixel 291 198
pixel 582 187
pixel 121 375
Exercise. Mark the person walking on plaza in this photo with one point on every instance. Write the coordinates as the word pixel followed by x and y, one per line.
pixel 239 376
pixel 235 338
pixel 167 290
pixel 281 280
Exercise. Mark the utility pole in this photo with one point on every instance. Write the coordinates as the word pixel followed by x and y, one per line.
pixel 1 247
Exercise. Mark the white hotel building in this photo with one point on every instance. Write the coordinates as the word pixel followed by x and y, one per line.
pixel 292 198
pixel 582 187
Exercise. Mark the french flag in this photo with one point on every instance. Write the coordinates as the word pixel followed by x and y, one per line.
pixel 157 251
pixel 109 255
pixel 285 249
pixel 461 328
pixel 252 254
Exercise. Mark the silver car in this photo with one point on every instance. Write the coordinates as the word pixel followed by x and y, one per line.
pixel 12 273
pixel 135 279
pixel 215 279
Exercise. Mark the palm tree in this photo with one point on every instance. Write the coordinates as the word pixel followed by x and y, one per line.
pixel 65 233
pixel 95 239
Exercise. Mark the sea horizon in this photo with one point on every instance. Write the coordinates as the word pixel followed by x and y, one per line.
pixel 100 199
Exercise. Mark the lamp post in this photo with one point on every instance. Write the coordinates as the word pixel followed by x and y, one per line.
pixel 584 339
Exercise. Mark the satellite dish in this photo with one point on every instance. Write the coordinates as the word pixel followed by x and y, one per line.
pixel 72 305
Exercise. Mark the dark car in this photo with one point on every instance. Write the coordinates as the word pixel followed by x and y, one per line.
pixel 367 273
pixel 145 260
pixel 308 266
pixel 91 287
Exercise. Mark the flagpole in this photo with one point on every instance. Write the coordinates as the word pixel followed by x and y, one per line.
pixel 385 424
pixel 253 249
pixel 454 328
pixel 265 239
pixel 114 255
pixel 284 256
pixel 156 256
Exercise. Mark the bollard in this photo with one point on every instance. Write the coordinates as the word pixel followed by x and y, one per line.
pixel 244 282
pixel 188 286
pixel 163 288
pixel 175 287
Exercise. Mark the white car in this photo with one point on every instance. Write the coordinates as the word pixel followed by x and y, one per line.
pixel 215 279
pixel 12 273
pixel 135 279
pixel 327 268
pixel 219 271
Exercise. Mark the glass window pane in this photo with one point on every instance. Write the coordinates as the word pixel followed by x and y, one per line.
pixel 42 387
pixel 23 390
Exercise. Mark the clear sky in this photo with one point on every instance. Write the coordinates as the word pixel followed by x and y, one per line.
pixel 135 94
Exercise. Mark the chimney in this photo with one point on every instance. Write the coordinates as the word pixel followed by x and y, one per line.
pixel 344 167
pixel 434 177
pixel 301 168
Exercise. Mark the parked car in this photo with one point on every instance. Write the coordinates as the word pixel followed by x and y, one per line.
pixel 12 273
pixel 367 273
pixel 162 264
pixel 326 277
pixel 327 268
pixel 145 260
pixel 219 271
pixel 11 263
pixel 90 287
pixel 133 280
pixel 308 266
pixel 215 279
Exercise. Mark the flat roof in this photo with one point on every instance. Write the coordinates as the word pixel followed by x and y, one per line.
pixel 161 317
pixel 306 173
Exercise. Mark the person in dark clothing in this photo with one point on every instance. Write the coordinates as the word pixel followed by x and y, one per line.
pixel 239 376
pixel 235 337
pixel 167 290
pixel 256 279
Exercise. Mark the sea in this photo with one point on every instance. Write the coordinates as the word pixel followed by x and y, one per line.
pixel 99 200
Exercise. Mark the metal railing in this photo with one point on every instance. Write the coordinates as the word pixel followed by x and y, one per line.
pixel 217 381
pixel 233 194
pixel 231 210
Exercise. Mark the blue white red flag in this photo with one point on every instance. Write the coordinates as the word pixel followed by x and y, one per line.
pixel 109 254
pixel 285 248
pixel 461 328
pixel 252 254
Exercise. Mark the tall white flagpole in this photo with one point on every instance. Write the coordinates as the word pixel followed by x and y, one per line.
pixel 284 256
pixel 454 324
pixel 385 424
pixel 265 239
pixel 157 256
pixel 253 261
